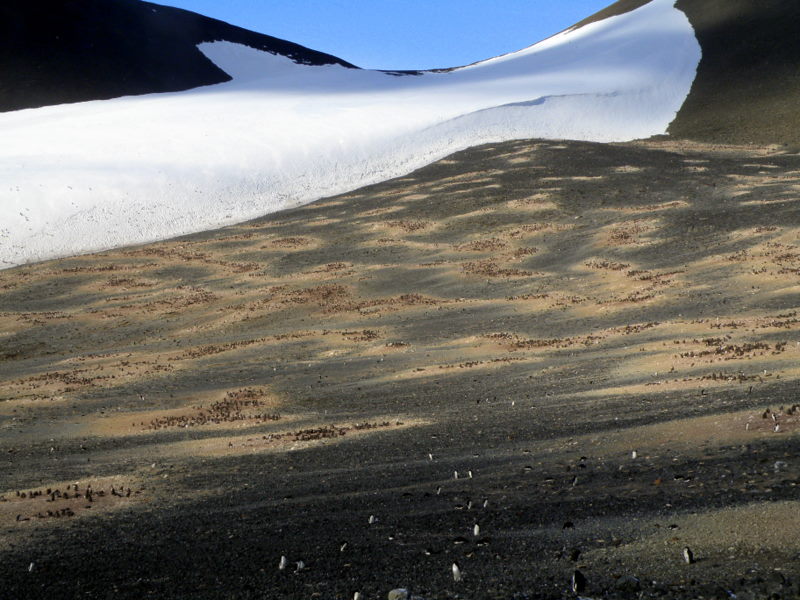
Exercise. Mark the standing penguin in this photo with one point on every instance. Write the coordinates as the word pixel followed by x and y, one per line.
pixel 578 582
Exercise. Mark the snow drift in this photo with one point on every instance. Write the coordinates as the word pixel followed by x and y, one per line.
pixel 85 177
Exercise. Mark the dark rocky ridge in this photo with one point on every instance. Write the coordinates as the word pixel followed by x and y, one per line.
pixel 618 8
pixel 748 81
pixel 56 52
pixel 52 52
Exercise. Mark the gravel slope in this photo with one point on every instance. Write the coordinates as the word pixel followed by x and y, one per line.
pixel 530 312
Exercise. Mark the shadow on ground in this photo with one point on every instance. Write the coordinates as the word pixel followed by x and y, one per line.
pixel 530 313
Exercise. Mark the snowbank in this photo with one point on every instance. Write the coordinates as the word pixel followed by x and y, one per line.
pixel 91 176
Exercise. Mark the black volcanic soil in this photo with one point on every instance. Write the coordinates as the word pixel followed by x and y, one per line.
pixel 748 82
pixel 530 314
pixel 60 51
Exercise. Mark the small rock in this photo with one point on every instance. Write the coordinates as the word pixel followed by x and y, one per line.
pixel 399 594
pixel 776 578
pixel 627 584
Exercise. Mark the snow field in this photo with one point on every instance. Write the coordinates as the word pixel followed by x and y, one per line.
pixel 85 177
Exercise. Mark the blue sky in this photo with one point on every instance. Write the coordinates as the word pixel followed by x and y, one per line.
pixel 403 34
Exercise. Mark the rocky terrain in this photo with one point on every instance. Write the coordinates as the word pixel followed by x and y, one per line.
pixel 57 52
pixel 588 351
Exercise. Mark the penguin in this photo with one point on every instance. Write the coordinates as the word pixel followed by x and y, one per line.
pixel 456 572
pixel 578 582
pixel 283 563
pixel 688 556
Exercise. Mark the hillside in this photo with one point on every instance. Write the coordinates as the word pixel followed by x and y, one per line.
pixel 747 87
pixel 548 362
pixel 89 176
pixel 95 175
pixel 746 90
pixel 54 51
pixel 530 314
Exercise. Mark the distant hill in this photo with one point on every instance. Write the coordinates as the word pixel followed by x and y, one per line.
pixel 748 83
pixel 747 89
pixel 277 130
pixel 55 52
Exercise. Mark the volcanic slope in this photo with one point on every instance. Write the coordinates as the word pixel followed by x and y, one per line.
pixel 96 175
pixel 590 351
pixel 54 52
pixel 747 89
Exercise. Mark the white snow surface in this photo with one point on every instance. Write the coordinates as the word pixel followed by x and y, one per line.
pixel 96 175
